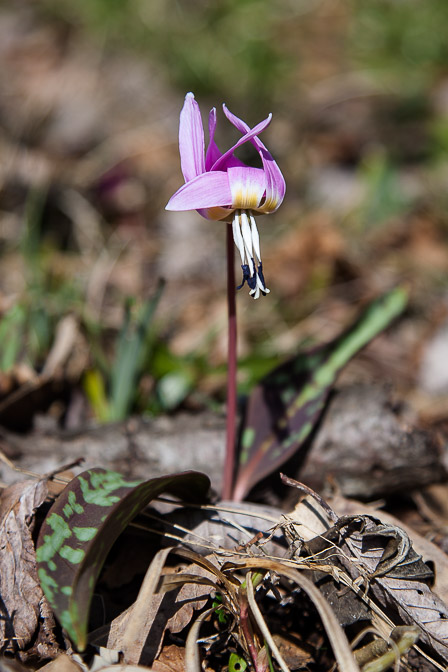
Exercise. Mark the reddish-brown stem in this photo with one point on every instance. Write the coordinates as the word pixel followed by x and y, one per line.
pixel 229 463
pixel 248 634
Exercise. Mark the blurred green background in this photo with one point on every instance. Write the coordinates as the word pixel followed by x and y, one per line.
pixel 90 97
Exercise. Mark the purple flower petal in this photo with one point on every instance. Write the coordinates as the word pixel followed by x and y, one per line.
pixel 225 160
pixel 213 153
pixel 191 139
pixel 218 184
pixel 247 186
pixel 236 121
pixel 204 191
pixel 275 187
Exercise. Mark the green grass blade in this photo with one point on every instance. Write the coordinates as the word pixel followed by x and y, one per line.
pixel 12 327
pixel 129 358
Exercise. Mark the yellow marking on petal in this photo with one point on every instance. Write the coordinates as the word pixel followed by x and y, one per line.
pixel 245 199
pixel 237 197
pixel 268 206
pixel 247 191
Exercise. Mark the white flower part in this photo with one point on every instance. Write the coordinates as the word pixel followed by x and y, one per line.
pixel 255 237
pixel 255 293
pixel 247 235
pixel 237 237
pixel 256 245
pixel 247 240
pixel 260 287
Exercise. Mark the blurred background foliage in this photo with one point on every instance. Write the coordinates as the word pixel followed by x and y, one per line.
pixel 91 93
pixel 227 49
pixel 388 37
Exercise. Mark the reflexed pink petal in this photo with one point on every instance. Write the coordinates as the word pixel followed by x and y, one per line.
pixel 247 186
pixel 204 191
pixel 275 187
pixel 236 121
pixel 191 139
pixel 224 162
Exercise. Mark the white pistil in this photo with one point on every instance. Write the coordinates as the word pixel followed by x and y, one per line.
pixel 255 236
pixel 247 235
pixel 247 240
pixel 237 237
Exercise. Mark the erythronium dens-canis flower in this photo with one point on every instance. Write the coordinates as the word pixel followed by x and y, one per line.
pixel 221 187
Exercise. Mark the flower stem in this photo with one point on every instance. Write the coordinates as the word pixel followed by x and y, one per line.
pixel 248 634
pixel 229 463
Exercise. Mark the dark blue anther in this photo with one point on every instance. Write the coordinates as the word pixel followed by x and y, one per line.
pixel 252 280
pixel 246 275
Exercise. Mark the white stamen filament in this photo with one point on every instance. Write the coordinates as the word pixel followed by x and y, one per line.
pixel 237 237
pixel 247 234
pixel 247 240
pixel 255 236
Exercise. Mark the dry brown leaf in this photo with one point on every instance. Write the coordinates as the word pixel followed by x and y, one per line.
pixel 138 625
pixel 417 605
pixel 424 547
pixel 171 659
pixel 414 601
pixel 21 594
pixel 157 613
pixel 293 653
pixel 176 608
pixel 227 525
pixel 62 663
pixel 190 598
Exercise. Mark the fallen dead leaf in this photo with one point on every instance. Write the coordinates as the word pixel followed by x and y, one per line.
pixel 139 631
pixel 21 594
pixel 293 653
pixel 62 663
pixel 171 659
pixel 424 547
pixel 411 598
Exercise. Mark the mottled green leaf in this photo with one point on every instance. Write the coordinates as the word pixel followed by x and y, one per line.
pixel 285 407
pixel 80 528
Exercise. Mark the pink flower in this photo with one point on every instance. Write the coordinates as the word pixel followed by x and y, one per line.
pixel 221 187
